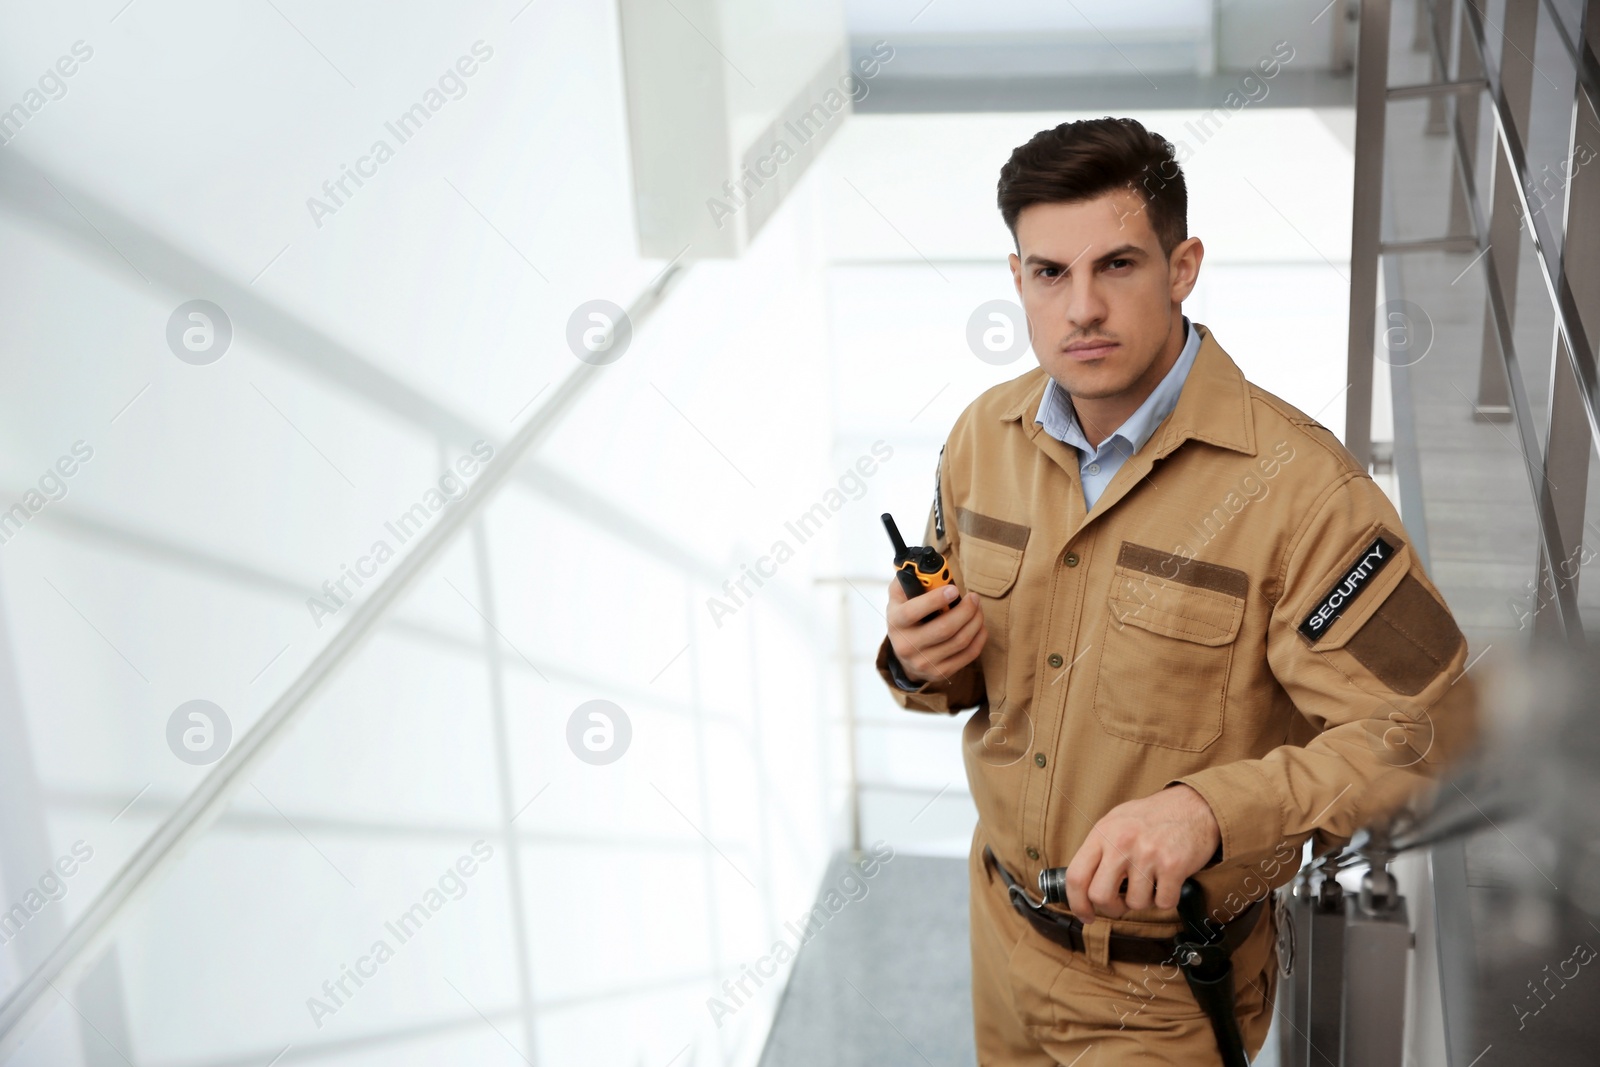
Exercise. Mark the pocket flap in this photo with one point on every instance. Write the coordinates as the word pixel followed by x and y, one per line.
pixel 1188 613
pixel 991 551
pixel 989 569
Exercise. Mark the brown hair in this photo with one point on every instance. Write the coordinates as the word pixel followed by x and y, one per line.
pixel 1083 160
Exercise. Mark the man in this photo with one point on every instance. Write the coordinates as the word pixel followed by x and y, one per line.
pixel 1193 627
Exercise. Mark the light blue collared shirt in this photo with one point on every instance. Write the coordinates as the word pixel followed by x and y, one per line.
pixel 1097 466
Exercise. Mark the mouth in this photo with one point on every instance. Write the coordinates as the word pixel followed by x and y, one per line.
pixel 1088 350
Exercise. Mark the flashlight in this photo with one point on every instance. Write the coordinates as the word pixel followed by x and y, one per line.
pixel 1053 885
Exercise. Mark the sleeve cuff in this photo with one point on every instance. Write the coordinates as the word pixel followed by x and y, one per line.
pixel 1240 797
pixel 897 674
pixel 929 696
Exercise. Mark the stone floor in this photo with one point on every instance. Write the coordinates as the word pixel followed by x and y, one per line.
pixel 888 980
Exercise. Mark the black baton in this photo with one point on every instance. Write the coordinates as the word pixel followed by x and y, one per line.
pixel 1206 965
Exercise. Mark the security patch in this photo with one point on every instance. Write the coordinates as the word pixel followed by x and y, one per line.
pixel 1373 559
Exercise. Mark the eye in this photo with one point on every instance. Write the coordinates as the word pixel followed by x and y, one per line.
pixel 1046 271
pixel 1119 263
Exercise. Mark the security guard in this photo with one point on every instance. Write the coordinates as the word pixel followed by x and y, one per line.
pixel 1196 631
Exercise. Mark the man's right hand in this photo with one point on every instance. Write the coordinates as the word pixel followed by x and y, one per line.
pixel 934 650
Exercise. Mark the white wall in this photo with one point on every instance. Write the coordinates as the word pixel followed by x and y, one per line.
pixel 368 354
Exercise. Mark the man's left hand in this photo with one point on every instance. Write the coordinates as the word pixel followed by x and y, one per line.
pixel 1155 843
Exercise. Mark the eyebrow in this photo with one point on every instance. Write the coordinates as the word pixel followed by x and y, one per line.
pixel 1120 252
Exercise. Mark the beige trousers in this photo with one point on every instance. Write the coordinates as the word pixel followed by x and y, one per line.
pixel 1038 1004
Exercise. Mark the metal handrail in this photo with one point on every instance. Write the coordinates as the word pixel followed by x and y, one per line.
pixel 1568 320
pixel 1564 602
pixel 1584 63
pixel 1366 216
pixel 1407 92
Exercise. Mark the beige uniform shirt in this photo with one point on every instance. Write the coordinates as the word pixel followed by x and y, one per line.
pixel 1241 611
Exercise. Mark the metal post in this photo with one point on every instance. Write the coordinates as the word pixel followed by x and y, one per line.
pixel 1567 433
pixel 1294 990
pixel 505 785
pixel 1326 973
pixel 1377 944
pixel 1468 65
pixel 1339 52
pixel 1372 82
pixel 1505 220
pixel 847 677
pixel 1434 21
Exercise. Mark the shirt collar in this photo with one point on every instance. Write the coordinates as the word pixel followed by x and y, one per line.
pixel 1060 421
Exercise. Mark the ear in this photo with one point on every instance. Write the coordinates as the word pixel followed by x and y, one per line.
pixel 1183 268
pixel 1016 272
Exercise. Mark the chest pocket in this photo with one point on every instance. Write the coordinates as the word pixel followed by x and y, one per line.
pixel 1167 649
pixel 991 557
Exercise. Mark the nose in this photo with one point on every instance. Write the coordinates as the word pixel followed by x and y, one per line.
pixel 1085 309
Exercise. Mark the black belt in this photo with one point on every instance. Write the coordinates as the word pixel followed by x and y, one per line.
pixel 1067 931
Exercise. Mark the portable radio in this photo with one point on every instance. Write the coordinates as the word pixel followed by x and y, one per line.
pixel 919 568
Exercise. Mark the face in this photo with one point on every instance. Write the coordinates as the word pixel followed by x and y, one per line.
pixel 1102 299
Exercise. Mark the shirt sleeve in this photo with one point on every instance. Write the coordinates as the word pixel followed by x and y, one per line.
pixel 1369 653
pixel 964 689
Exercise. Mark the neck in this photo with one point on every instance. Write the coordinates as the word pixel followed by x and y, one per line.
pixel 1099 417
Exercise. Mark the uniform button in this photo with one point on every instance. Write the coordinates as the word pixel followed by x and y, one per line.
pixel 1033 853
pixel 1038 757
pixel 1055 659
pixel 1093 468
pixel 1072 559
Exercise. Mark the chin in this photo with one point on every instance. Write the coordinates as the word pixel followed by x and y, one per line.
pixel 1091 383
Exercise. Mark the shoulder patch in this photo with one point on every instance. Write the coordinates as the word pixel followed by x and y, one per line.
pixel 1357 578
pixel 1410 641
pixel 938 494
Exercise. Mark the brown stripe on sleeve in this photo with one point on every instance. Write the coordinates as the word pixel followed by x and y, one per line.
pixel 1001 532
pixel 1409 640
pixel 1184 570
